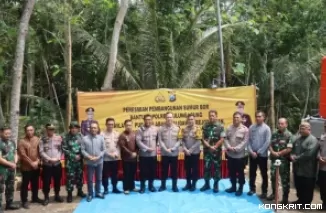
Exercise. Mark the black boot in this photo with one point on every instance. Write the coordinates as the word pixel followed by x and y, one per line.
pixel 174 186
pixel 232 189
pixel 285 199
pixel 193 186
pixel 187 186
pixel 46 200
pixel 206 186
pixel 106 191
pixel 69 197
pixel 142 187
pixel 151 187
pixel 116 190
pixel 11 206
pixel 240 191
pixel 215 188
pixel 163 186
pixel 57 198
pixel 25 205
pixel 81 194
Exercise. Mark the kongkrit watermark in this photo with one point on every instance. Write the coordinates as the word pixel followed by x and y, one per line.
pixel 291 206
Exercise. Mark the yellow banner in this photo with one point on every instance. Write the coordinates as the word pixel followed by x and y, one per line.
pixel 122 105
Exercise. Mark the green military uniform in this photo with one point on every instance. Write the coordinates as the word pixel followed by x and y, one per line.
pixel 7 176
pixel 279 142
pixel 74 168
pixel 212 133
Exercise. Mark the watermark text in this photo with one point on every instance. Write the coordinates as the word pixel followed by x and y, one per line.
pixel 291 206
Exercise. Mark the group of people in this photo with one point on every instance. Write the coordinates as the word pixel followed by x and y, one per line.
pixel 101 150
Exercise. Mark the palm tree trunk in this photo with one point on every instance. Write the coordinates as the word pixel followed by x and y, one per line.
pixel 17 70
pixel 2 117
pixel 107 85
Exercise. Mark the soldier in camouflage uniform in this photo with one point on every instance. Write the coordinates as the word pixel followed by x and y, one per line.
pixel 213 138
pixel 74 161
pixel 8 162
pixel 280 148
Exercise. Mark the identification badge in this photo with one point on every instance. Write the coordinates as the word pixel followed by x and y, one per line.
pixel 290 145
pixel 282 141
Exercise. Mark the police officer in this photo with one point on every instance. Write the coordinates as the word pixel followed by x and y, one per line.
pixel 213 138
pixel 191 139
pixel 86 124
pixel 236 140
pixel 280 148
pixel 146 139
pixel 74 161
pixel 169 140
pixel 8 160
pixel 51 151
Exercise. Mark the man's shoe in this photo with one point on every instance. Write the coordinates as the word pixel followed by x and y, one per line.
pixel 215 188
pixel 135 190
pixel 89 198
pixel 175 189
pixel 231 189
pixel 193 186
pixel 239 191
pixel 126 192
pixel 25 205
pixel 37 200
pixel 251 193
pixel 263 196
pixel 58 199
pixel 11 206
pixel 46 201
pixel 106 192
pixel 142 191
pixel 81 194
pixel 69 197
pixel 162 188
pixel 116 191
pixel 271 197
pixel 152 189
pixel 205 187
pixel 187 186
pixel 99 195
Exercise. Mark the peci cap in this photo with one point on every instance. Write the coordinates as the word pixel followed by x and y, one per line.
pixel 74 124
pixel 49 126
pixel 90 109
pixel 240 103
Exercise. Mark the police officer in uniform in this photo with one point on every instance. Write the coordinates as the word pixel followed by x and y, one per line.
pixel 169 140
pixel 191 139
pixel 86 124
pixel 51 152
pixel 8 160
pixel 280 148
pixel 213 138
pixel 74 161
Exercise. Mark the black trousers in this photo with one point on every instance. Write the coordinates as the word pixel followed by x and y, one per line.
pixel 147 166
pixel 129 172
pixel 172 163
pixel 260 162
pixel 236 165
pixel 305 188
pixel 110 169
pixel 29 177
pixel 192 167
pixel 322 185
pixel 49 173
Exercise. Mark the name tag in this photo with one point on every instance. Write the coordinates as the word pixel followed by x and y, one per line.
pixel 290 145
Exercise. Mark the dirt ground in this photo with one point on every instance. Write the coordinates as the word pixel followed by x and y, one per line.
pixel 69 207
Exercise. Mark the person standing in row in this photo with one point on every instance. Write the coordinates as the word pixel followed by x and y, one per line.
pixel 191 140
pixel 51 152
pixel 147 141
pixel 213 138
pixel 93 149
pixel 280 147
pixel 322 167
pixel 258 145
pixel 235 143
pixel 127 143
pixel 74 161
pixel 169 140
pixel 28 152
pixel 8 162
pixel 304 158
pixel 111 157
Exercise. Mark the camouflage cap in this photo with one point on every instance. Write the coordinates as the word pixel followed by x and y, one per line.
pixel 74 124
